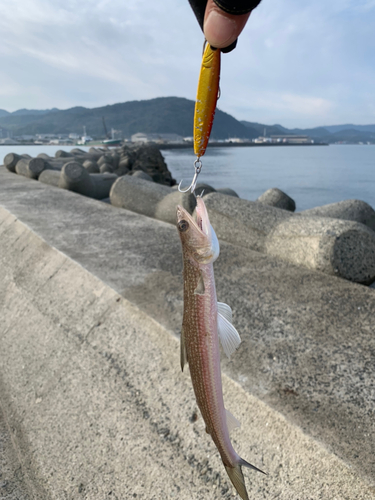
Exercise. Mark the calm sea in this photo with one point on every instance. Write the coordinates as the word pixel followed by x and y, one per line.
pixel 311 175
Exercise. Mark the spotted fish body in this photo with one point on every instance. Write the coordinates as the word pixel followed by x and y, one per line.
pixel 204 321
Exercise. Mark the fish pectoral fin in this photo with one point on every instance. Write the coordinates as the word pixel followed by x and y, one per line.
pixel 200 286
pixel 225 311
pixel 232 422
pixel 228 335
pixel 183 353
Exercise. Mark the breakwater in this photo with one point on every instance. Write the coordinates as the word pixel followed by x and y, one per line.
pixel 91 298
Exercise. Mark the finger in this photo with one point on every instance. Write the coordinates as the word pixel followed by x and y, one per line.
pixel 222 29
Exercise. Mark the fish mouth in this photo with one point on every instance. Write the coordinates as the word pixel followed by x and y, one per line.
pixel 183 214
pixel 203 221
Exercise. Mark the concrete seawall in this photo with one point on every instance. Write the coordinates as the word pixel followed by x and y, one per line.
pixel 91 387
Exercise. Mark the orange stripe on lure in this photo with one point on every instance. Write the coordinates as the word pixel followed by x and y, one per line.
pixel 207 94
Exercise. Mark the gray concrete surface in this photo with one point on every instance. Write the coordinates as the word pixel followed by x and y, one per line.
pixel 338 247
pixel 354 210
pixel 84 369
pixel 277 198
pixel 12 481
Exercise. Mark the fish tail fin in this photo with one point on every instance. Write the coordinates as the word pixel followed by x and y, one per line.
pixel 236 476
pixel 238 481
pixel 249 466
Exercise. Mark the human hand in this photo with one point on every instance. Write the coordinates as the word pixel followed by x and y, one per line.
pixel 220 28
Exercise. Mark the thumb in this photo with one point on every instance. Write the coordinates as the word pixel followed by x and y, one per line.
pixel 220 28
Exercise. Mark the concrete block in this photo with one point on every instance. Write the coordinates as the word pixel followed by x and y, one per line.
pixel 75 177
pixel 166 208
pixel 138 195
pixel 107 158
pixel 44 156
pixel 106 167
pixel 63 154
pixel 243 222
pixel 30 168
pixel 354 210
pixel 341 248
pixel 78 151
pixel 102 184
pixel 50 177
pixel 53 164
pixel 115 159
pixel 227 191
pixel 205 188
pixel 91 166
pixel 11 160
pixel 141 175
pixel 277 198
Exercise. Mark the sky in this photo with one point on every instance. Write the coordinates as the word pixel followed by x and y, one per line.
pixel 299 64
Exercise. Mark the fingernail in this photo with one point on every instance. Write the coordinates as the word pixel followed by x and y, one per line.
pixel 219 30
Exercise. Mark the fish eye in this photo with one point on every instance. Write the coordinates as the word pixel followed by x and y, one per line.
pixel 183 226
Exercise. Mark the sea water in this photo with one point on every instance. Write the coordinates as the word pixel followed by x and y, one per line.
pixel 311 175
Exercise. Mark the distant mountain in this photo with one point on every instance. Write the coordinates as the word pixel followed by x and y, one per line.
pixel 22 112
pixel 330 134
pixel 163 115
pixel 264 129
pixel 360 128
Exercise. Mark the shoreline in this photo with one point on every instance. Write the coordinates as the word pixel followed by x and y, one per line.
pixel 178 146
pixel 237 145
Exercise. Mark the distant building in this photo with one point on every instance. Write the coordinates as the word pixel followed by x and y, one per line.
pixel 292 139
pixel 74 136
pixel 25 137
pixel 8 142
pixel 56 142
pixel 262 139
pixel 235 140
pixel 157 138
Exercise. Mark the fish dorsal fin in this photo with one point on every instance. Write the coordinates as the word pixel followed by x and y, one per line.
pixel 232 422
pixel 200 286
pixel 228 335
pixel 183 354
pixel 225 311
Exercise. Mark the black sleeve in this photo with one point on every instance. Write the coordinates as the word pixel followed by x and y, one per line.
pixel 230 6
pixel 237 6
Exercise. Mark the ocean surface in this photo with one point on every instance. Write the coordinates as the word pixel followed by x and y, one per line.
pixel 311 175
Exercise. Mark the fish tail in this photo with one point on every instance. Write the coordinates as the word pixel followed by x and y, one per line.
pixel 236 476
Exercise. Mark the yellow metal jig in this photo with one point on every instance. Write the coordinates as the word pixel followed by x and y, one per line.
pixel 207 94
pixel 205 106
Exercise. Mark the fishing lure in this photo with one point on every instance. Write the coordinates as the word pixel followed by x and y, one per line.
pixel 207 95
pixel 205 106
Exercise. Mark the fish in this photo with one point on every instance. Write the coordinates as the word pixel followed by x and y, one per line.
pixel 207 95
pixel 205 321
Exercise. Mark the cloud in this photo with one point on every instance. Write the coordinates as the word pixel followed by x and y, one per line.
pixel 296 63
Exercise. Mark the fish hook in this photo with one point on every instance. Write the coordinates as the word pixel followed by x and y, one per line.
pixel 198 168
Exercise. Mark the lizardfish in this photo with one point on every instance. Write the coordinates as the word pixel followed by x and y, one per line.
pixel 205 321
